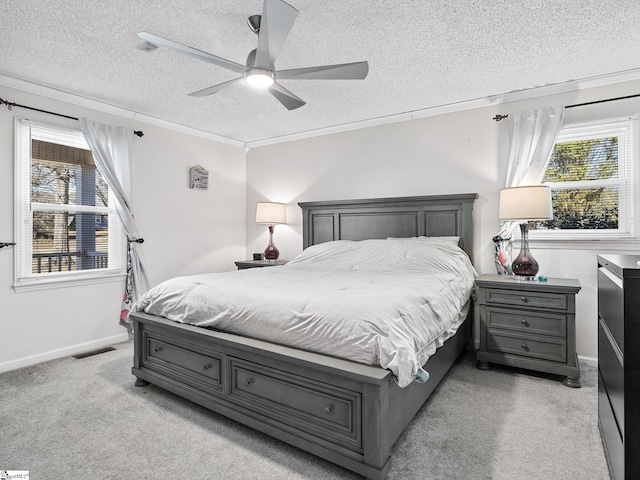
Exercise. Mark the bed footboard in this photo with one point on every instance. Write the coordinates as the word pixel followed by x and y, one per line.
pixel 345 412
pixel 329 407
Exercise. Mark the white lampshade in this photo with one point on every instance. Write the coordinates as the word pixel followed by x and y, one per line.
pixel 525 203
pixel 271 213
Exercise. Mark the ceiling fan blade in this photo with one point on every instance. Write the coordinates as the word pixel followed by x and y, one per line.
pixel 285 97
pixel 216 88
pixel 277 20
pixel 344 71
pixel 193 52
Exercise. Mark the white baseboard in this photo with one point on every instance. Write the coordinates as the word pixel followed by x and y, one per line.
pixel 62 352
pixel 590 361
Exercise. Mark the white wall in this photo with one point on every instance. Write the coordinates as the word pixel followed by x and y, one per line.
pixel 186 231
pixel 459 152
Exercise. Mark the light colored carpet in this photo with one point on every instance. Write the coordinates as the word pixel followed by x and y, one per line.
pixel 84 419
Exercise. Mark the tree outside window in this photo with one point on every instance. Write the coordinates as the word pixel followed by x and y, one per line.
pixel 592 180
pixel 590 208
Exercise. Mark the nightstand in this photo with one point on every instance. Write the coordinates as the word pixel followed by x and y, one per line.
pixel 529 324
pixel 244 264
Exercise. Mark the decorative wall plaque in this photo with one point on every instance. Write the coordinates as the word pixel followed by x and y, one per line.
pixel 198 178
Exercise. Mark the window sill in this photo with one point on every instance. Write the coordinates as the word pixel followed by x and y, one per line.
pixel 626 244
pixel 63 281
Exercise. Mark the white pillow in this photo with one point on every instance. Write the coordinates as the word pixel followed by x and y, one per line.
pixel 448 239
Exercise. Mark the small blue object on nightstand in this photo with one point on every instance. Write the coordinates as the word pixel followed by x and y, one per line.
pixel 542 278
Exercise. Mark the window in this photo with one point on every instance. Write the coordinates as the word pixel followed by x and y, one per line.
pixel 66 223
pixel 592 175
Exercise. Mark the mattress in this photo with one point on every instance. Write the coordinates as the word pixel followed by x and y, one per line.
pixel 387 302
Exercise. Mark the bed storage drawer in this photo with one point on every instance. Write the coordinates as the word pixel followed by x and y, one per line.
pixel 545 301
pixel 546 348
pixel 311 408
pixel 527 321
pixel 198 368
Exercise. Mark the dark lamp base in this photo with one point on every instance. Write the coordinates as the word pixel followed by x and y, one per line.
pixel 524 264
pixel 271 252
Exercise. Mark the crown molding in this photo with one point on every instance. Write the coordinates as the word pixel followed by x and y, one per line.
pixel 492 100
pixel 80 101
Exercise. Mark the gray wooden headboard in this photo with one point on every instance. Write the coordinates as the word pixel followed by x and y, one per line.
pixel 432 216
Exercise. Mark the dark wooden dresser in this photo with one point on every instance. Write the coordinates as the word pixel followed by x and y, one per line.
pixel 619 363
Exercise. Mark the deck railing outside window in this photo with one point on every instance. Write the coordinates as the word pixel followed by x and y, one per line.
pixel 69 261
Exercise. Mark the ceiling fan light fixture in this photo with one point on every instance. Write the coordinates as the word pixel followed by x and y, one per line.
pixel 260 78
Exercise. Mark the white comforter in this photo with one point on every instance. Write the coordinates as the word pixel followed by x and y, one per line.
pixel 380 302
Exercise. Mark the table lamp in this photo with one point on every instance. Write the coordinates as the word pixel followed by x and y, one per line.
pixel 525 204
pixel 270 213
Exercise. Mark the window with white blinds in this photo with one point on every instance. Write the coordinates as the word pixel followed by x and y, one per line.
pixel 592 173
pixel 66 223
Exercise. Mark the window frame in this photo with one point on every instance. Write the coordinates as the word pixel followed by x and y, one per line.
pixel 628 181
pixel 24 279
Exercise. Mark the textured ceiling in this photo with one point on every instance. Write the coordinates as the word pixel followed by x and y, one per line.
pixel 421 53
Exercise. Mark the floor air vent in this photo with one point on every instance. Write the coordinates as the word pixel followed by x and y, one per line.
pixel 93 352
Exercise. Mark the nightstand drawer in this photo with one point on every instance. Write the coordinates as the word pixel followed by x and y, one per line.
pixel 546 348
pixel 527 321
pixel 551 301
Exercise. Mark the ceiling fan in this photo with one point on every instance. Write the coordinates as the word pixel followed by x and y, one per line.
pixel 272 28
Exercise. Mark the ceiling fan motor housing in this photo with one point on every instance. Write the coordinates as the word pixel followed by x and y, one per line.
pixel 254 23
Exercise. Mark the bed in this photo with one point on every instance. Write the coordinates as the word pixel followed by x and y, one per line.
pixel 347 412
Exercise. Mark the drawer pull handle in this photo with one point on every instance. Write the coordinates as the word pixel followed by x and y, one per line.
pixel 157 349
pixel 524 346
pixel 524 299
pixel 206 366
pixel 328 409
pixel 524 322
pixel 248 381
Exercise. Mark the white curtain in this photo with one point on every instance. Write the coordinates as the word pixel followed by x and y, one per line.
pixel 111 147
pixel 533 135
